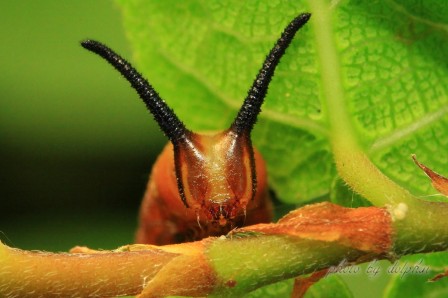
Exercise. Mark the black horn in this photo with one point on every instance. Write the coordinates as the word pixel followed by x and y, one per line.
pixel 170 124
pixel 247 115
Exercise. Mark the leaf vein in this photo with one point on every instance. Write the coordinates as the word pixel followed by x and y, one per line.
pixel 405 131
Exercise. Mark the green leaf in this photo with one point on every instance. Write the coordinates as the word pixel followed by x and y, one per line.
pixel 411 275
pixel 329 286
pixel 389 85
pixel 280 289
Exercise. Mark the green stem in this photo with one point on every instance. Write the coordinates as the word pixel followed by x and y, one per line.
pixel 267 259
pixel 307 240
pixel 423 228
pixel 352 163
pixel 418 223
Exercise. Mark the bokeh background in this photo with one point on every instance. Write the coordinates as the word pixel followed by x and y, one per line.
pixel 76 144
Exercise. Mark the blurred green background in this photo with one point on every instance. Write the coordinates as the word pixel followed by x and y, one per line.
pixel 76 144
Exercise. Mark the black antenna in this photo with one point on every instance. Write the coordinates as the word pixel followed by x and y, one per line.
pixel 247 116
pixel 171 126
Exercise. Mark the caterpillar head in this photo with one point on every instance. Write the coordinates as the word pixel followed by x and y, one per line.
pixel 215 173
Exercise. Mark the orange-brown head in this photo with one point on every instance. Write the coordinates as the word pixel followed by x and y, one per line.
pixel 216 174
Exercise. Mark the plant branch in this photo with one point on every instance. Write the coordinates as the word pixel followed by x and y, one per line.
pixel 308 239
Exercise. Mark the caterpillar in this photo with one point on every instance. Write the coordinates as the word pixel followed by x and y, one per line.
pixel 203 184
